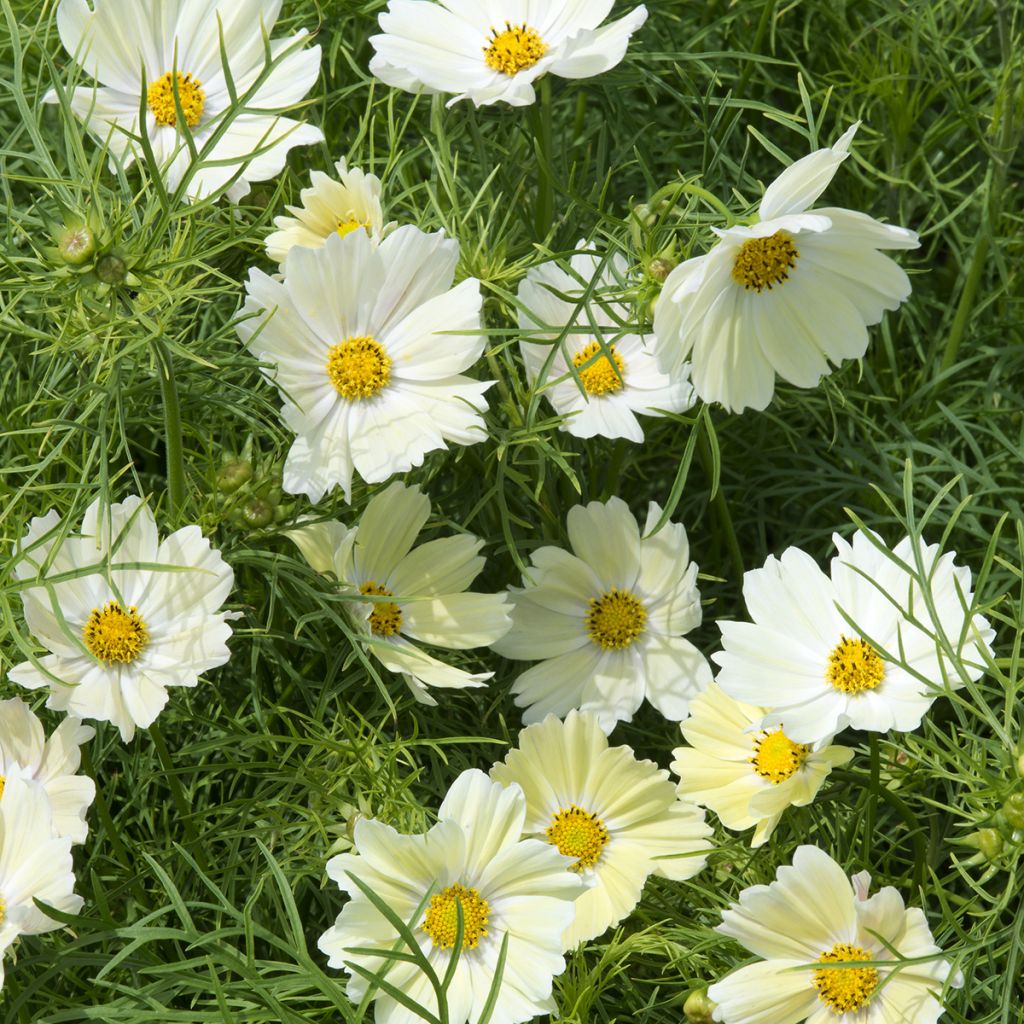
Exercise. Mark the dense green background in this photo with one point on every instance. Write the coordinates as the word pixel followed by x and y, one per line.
pixel 203 874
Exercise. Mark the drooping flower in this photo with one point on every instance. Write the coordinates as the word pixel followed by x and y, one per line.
pixel 509 888
pixel 330 206
pixel 748 776
pixel 176 45
pixel 34 864
pixel 614 375
pixel 421 592
pixel 788 295
pixel 134 615
pixel 620 819
pixel 608 620
pixel 367 345
pixel 25 752
pixel 494 52
pixel 857 648
pixel 805 926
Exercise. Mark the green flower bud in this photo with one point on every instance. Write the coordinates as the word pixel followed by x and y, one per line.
pixel 987 841
pixel 233 475
pixel 1020 766
pixel 257 513
pixel 111 269
pixel 698 1007
pixel 660 267
pixel 76 244
pixel 1013 810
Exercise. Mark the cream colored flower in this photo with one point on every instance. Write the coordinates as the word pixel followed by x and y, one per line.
pixel 134 616
pixel 421 592
pixel 510 889
pixel 788 295
pixel 804 926
pixel 618 818
pixel 26 753
pixel 368 345
pixel 493 52
pixel 606 388
pixel 176 44
pixel 34 864
pixel 330 206
pixel 606 622
pixel 748 776
pixel 856 648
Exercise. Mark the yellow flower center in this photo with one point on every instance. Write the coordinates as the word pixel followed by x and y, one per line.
pixel 777 757
pixel 3 782
pixel 346 227
pixel 843 989
pixel 386 617
pixel 441 921
pixel 854 666
pixel 578 833
pixel 359 368
pixel 615 619
pixel 515 49
pixel 602 376
pixel 160 97
pixel 114 634
pixel 3 910
pixel 764 262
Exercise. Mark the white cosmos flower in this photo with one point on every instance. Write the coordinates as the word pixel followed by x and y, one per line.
pixel 424 587
pixel 608 620
pixel 492 51
pixel 618 818
pixel 34 864
pixel 510 887
pixel 790 294
pixel 748 776
pixel 367 345
pixel 812 916
pixel 818 673
pixel 615 382
pixel 25 752
pixel 115 41
pixel 330 206
pixel 142 616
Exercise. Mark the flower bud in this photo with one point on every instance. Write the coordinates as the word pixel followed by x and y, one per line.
pixel 698 1007
pixel 1013 810
pixel 256 513
pixel 659 268
pixel 76 244
pixel 1020 766
pixel 987 841
pixel 233 475
pixel 111 269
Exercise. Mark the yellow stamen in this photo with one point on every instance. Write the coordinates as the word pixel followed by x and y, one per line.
pixel 386 617
pixel 615 619
pixel 854 666
pixel 515 49
pixel 359 368
pixel 777 757
pixel 114 634
pixel 578 833
pixel 764 262
pixel 346 227
pixel 160 97
pixel 601 376
pixel 441 921
pixel 845 989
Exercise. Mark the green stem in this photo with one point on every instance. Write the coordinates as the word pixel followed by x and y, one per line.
pixel 721 508
pixel 963 310
pixel 676 189
pixel 181 803
pixel 172 430
pixel 540 117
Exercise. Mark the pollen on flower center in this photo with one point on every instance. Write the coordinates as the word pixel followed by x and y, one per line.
pixel 615 619
pixel 765 262
pixel 160 97
pixel 843 989
pixel 3 910
pixel 578 833
pixel 515 49
pixel 386 617
pixel 602 376
pixel 3 782
pixel 854 666
pixel 115 634
pixel 346 227
pixel 441 921
pixel 359 368
pixel 777 757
